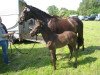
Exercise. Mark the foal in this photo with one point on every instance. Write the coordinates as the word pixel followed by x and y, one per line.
pixel 54 41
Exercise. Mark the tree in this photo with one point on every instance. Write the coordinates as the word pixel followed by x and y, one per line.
pixel 53 10
pixel 63 12
pixel 88 7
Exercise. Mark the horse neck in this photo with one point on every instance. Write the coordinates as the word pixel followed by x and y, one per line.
pixel 47 34
pixel 38 17
pixel 39 14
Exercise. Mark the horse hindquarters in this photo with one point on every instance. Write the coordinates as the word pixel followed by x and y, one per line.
pixel 72 46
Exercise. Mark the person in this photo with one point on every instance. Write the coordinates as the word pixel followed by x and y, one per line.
pixel 4 41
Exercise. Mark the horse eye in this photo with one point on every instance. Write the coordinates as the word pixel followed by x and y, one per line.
pixel 28 10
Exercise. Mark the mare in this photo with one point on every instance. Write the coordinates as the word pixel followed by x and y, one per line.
pixel 54 40
pixel 56 24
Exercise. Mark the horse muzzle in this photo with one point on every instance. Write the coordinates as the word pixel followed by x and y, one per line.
pixel 20 22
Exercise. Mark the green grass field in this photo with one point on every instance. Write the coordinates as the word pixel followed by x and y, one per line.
pixel 37 62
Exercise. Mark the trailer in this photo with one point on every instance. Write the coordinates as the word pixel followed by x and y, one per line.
pixel 22 31
pixel 10 15
pixel 21 34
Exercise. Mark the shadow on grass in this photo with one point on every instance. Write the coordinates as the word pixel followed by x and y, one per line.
pixel 39 57
pixel 89 50
pixel 93 48
pixel 23 41
pixel 83 62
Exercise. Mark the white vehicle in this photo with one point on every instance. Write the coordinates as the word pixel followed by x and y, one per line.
pixel 97 17
pixel 81 17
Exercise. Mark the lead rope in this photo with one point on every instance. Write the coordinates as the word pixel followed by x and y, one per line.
pixel 11 41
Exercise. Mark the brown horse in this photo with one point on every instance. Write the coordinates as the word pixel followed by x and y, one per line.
pixel 57 25
pixel 54 41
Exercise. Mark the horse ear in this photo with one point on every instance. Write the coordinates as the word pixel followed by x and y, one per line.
pixel 26 9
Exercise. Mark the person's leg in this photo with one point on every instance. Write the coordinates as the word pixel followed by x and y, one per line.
pixel 4 44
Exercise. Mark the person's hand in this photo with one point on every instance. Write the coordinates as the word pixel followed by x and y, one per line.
pixel 11 33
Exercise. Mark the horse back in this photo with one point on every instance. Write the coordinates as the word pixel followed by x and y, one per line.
pixel 68 35
pixel 61 25
pixel 65 38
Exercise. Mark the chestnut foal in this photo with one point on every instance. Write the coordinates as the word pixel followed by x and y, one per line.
pixel 54 40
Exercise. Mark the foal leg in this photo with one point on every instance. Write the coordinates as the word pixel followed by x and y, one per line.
pixel 53 56
pixel 50 46
pixel 71 52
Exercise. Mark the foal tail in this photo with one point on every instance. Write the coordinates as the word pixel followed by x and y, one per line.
pixel 80 39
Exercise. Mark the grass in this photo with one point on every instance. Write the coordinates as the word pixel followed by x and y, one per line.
pixel 37 62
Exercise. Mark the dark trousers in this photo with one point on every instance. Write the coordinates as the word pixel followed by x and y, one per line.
pixel 4 45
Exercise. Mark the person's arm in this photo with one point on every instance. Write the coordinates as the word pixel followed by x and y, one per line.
pixel 4 28
pixel 6 35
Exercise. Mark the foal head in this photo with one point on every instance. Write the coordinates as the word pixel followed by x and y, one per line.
pixel 37 28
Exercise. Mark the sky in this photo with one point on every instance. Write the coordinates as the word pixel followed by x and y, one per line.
pixel 9 8
pixel 43 4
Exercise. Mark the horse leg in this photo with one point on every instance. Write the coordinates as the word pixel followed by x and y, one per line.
pixel 83 45
pixel 71 52
pixel 76 55
pixel 49 45
pixel 53 56
pixel 80 42
pixel 77 46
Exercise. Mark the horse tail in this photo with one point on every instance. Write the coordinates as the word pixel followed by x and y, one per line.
pixel 80 39
pixel 80 34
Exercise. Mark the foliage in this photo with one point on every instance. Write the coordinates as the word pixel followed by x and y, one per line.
pixel 37 62
pixel 63 12
pixel 53 10
pixel 88 7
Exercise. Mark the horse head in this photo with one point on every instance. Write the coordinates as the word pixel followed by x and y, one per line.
pixel 37 28
pixel 26 14
pixel 33 12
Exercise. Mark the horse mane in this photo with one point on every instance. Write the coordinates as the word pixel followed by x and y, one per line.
pixel 39 13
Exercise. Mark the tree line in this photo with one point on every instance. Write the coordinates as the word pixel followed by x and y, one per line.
pixel 86 7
